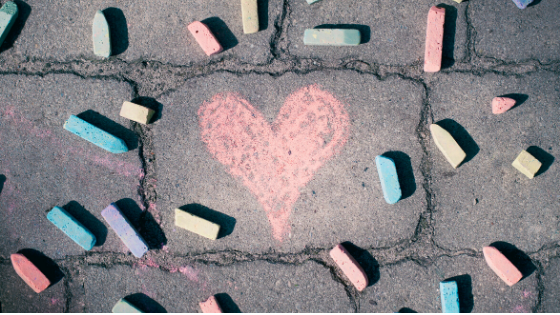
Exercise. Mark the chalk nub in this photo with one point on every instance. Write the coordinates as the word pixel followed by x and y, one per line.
pixel 205 38
pixel 332 37
pixel 210 306
pixel 101 36
pixel 196 224
pixel 449 297
pixel 8 15
pixel 501 265
pixel 126 232
pixel 312 1
pixel 29 273
pixel 458 1
pixel 501 105
pixel 522 4
pixel 349 267
pixel 434 40
pixel 527 164
pixel 250 16
pixel 71 227
pixel 389 179
pixel 97 136
pixel 447 145
pixel 123 306
pixel 137 112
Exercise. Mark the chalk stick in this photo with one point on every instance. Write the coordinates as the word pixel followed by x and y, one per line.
pixel 210 306
pixel 312 1
pixel 137 112
pixel 527 164
pixel 332 37
pixel 29 273
pixel 205 38
pixel 458 1
pixel 449 297
pixel 250 16
pixel 72 228
pixel 8 15
pixel 522 4
pixel 501 105
pixel 349 267
pixel 126 232
pixel 101 36
pixel 389 179
pixel 447 145
pixel 501 265
pixel 123 306
pixel 97 136
pixel 196 224
pixel 434 40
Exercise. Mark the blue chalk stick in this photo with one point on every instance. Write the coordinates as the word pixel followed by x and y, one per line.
pixel 8 15
pixel 449 296
pixel 74 229
pixel 125 230
pixel 522 4
pixel 389 179
pixel 99 137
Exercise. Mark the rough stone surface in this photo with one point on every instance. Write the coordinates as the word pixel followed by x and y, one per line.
pixel 551 283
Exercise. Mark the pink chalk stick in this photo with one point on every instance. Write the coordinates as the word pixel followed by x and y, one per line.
pixel 205 38
pixel 350 267
pixel 210 306
pixel 501 265
pixel 501 105
pixel 434 40
pixel 29 273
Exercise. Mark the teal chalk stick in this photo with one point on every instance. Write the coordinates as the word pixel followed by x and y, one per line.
pixel 449 296
pixel 74 229
pixel 8 15
pixel 332 37
pixel 123 306
pixel 312 1
pixel 389 179
pixel 95 135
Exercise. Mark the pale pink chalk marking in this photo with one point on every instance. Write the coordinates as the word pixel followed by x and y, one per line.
pixel 434 40
pixel 501 266
pixel 205 38
pixel 274 162
pixel 501 105
pixel 350 267
pixel 210 306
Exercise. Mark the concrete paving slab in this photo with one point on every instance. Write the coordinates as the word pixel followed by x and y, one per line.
pixel 551 282
pixel 42 165
pixel 409 286
pixel 342 202
pixel 486 199
pixel 247 287
pixel 393 32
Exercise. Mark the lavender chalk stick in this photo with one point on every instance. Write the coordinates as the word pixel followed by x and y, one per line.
pixel 74 229
pixel 522 4
pixel 124 230
pixel 100 138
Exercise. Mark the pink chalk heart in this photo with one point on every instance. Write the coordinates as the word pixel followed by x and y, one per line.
pixel 275 161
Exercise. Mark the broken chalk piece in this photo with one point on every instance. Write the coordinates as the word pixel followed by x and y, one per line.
pixel 434 40
pixel 205 38
pixel 501 265
pixel 72 228
pixel 101 36
pixel 349 266
pixel 332 37
pixel 312 1
pixel 126 232
pixel 458 1
pixel 522 4
pixel 449 296
pixel 250 16
pixel 123 306
pixel 501 105
pixel 447 145
pixel 29 273
pixel 210 306
pixel 196 224
pixel 137 112
pixel 389 179
pixel 99 137
pixel 8 15
pixel 527 164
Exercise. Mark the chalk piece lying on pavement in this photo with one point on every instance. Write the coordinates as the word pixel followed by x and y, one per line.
pixel 29 273
pixel 389 179
pixel 501 105
pixel 447 145
pixel 332 37
pixel 312 1
pixel 434 40
pixel 250 16
pixel 8 15
pixel 210 306
pixel 501 265
pixel 196 224
pixel 99 137
pixel 123 306
pixel 120 224
pixel 527 164
pixel 74 229
pixel 522 4
pixel 101 36
pixel 458 1
pixel 137 112
pixel 449 297
pixel 350 267
pixel 205 38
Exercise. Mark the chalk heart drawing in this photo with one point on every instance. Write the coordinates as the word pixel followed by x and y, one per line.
pixel 275 161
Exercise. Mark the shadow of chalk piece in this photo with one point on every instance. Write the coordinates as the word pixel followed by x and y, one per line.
pixel 522 4
pixel 205 38
pixel 250 16
pixel 332 37
pixel 8 15
pixel 501 105
pixel 210 306
pixel 527 164
pixel 196 224
pixel 449 296
pixel 101 36
pixel 137 112
pixel 447 145
pixel 389 179
pixel 123 306
pixel 29 273
pixel 99 137
pixel 501 265
pixel 72 228
pixel 434 40
pixel 350 267
pixel 126 232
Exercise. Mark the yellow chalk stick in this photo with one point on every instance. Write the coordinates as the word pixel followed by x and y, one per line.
pixel 447 145
pixel 527 164
pixel 136 112
pixel 250 16
pixel 196 224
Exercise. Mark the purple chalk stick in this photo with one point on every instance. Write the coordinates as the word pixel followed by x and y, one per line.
pixel 522 4
pixel 125 230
